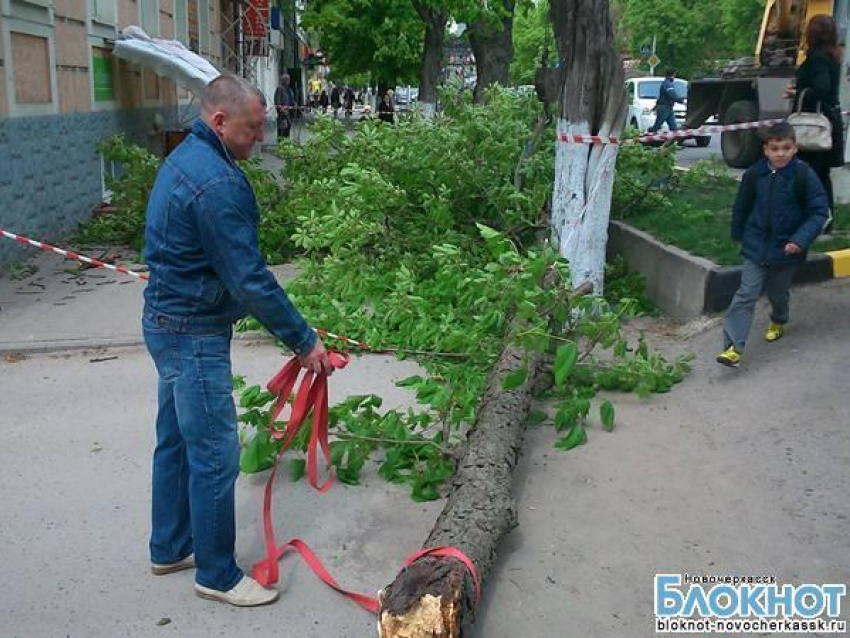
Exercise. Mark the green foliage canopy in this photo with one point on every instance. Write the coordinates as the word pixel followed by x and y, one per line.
pixel 381 37
pixel 531 29
pixel 692 34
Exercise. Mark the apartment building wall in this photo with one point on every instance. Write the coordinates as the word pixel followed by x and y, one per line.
pixel 61 92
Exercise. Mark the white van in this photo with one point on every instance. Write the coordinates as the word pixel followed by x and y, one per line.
pixel 643 94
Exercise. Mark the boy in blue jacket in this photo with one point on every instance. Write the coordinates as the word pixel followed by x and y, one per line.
pixel 780 209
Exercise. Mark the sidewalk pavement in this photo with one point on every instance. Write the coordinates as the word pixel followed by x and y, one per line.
pixel 739 472
pixel 78 429
pixel 60 307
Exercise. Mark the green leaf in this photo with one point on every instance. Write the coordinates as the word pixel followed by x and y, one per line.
pixel 487 232
pixel 425 492
pixel 249 395
pixel 348 475
pixel 259 455
pixel 536 417
pixel 297 467
pixel 515 379
pixel 565 360
pixel 576 436
pixel 409 381
pixel 606 413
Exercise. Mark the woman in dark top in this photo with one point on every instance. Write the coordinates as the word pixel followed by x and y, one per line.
pixel 386 109
pixel 819 76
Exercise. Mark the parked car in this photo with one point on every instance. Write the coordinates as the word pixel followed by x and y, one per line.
pixel 642 95
pixel 406 95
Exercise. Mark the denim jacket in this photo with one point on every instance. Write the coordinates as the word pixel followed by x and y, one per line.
pixel 202 249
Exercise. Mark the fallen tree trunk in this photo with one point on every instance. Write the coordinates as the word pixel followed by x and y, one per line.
pixel 435 596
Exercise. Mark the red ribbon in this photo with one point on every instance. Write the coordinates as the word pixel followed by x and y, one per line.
pixel 312 395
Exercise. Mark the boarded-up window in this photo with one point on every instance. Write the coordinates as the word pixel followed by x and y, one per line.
pixel 150 16
pixel 31 62
pixel 194 26
pixel 104 75
pixel 103 11
pixel 180 21
pixel 204 25
pixel 150 81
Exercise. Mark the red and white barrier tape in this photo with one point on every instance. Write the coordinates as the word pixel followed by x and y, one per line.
pixel 69 254
pixel 672 135
pixel 97 263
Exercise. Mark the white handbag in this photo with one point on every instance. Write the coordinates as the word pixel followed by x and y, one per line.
pixel 813 130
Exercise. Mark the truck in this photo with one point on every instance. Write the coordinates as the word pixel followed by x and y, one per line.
pixel 752 89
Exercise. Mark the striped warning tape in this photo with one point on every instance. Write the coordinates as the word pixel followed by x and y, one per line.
pixel 672 135
pixel 69 254
pixel 97 263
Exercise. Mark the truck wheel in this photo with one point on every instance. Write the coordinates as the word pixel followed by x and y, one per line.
pixel 741 149
pixel 704 141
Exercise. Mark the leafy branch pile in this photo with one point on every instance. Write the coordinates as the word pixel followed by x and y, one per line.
pixel 415 237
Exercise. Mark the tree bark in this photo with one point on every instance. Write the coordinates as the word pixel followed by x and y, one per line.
pixel 432 56
pixel 491 39
pixel 592 102
pixel 435 596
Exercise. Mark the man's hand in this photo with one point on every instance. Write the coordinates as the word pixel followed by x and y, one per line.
pixel 317 359
pixel 792 249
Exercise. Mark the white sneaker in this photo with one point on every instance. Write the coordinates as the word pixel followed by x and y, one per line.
pixel 247 593
pixel 170 568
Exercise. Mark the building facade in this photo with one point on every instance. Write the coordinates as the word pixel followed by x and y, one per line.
pixel 62 91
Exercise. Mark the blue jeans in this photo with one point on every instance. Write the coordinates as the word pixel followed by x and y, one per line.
pixel 664 115
pixel 196 460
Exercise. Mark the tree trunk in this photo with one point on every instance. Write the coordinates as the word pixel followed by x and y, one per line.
pixel 435 596
pixel 592 102
pixel 491 39
pixel 432 56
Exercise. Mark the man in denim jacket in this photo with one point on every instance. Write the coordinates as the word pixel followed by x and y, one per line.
pixel 206 271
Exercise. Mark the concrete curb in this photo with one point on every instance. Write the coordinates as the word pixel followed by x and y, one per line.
pixel 62 345
pixel 685 286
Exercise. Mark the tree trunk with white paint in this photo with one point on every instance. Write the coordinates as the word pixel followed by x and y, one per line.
pixel 432 54
pixel 592 102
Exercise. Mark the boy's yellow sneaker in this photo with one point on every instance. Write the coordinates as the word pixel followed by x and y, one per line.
pixel 729 357
pixel 774 331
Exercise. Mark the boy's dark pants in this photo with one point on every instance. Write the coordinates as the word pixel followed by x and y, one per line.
pixel 755 280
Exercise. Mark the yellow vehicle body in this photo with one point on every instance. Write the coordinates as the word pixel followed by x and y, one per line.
pixel 752 90
pixel 783 17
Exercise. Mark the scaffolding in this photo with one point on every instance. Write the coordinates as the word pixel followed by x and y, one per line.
pixel 245 40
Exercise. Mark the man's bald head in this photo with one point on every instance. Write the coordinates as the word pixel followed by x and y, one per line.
pixel 229 93
pixel 235 110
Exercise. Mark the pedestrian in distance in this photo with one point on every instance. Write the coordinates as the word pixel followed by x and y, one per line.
pixel 206 272
pixel 335 100
pixel 284 103
pixel 779 211
pixel 667 97
pixel 324 101
pixel 817 83
pixel 386 108
pixel 348 102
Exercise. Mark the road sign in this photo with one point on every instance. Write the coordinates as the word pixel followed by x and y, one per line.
pixel 646 49
pixel 654 60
